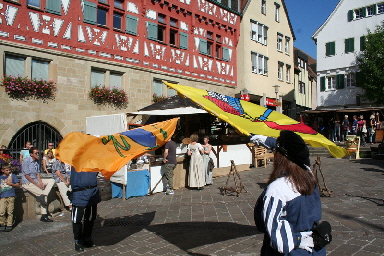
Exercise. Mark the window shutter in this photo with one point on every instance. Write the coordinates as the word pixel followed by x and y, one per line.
pixel 333 48
pixel 350 15
pixel 364 11
pixel 322 83
pixel 362 43
pixel 53 6
pixel 327 49
pixel 89 15
pixel 340 81
pixel 351 44
pixel 374 9
pixel 151 30
pixel 183 40
pixel 203 47
pixel 346 45
pixel 225 54
pixel 131 24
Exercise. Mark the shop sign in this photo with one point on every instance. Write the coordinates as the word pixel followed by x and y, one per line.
pixel 245 97
pixel 272 102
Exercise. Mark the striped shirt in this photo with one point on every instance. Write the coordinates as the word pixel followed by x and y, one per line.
pixel 286 213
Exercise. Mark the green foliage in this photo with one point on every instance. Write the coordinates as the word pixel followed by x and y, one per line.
pixel 371 66
pixel 114 97
pixel 23 88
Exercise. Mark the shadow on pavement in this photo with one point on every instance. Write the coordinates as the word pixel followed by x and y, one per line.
pixel 112 231
pixel 362 222
pixel 373 162
pixel 188 235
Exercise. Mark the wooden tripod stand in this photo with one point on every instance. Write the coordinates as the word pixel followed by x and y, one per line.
pixel 317 166
pixel 236 176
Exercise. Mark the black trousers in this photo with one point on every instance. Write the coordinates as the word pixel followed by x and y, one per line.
pixel 83 218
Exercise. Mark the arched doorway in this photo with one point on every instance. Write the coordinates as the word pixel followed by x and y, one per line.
pixel 38 133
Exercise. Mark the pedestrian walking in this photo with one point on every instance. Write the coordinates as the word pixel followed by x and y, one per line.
pixel 169 159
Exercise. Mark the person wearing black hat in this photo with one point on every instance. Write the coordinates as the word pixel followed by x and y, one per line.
pixel 290 206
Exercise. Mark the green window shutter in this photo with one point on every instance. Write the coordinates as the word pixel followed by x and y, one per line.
pixel 183 40
pixel 364 11
pixel 352 44
pixel 327 49
pixel 53 6
pixel 359 79
pixel 131 24
pixel 89 15
pixel 152 30
pixel 203 47
pixel 322 83
pixel 350 15
pixel 340 81
pixel 362 43
pixel 333 50
pixel 225 54
pixel 374 8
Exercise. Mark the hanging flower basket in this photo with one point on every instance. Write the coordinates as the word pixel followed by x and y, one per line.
pixel 15 165
pixel 158 98
pixel 24 88
pixel 115 97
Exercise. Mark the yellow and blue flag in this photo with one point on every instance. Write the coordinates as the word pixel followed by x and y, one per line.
pixel 250 118
pixel 108 154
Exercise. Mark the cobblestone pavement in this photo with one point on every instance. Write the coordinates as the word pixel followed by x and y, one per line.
pixel 192 222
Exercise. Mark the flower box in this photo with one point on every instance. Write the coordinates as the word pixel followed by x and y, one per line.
pixel 115 97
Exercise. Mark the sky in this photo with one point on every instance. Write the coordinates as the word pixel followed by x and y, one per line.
pixel 306 17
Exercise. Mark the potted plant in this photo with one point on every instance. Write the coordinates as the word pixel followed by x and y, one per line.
pixel 24 88
pixel 115 97
pixel 158 98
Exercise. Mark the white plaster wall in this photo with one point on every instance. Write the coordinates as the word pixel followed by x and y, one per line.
pixel 240 154
pixel 337 29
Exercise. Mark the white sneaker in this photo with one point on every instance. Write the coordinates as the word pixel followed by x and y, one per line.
pixel 171 192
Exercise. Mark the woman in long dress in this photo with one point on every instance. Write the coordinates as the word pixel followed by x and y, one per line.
pixel 207 150
pixel 196 178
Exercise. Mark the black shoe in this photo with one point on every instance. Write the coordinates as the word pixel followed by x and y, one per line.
pixel 2 227
pixel 41 200
pixel 79 247
pixel 8 229
pixel 45 219
pixel 89 244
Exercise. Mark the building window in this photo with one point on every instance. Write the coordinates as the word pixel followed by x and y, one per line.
pixel 288 73
pixel 34 3
pixel 358 13
pixel 380 8
pixel 351 80
pixel 16 66
pixel 218 51
pixel 89 12
pixel 173 22
pixel 102 77
pixel 117 17
pixel 370 10
pixel 103 1
pixel 173 37
pixel 102 16
pixel 209 35
pixel 131 24
pixel 331 82
pixel 277 12
pixel 287 40
pixel 301 87
pixel 349 45
pixel 263 7
pixel 259 63
pixel 218 39
pixel 301 63
pixel 259 32
pixel 160 89
pixel 39 69
pixel 118 4
pixel 280 71
pixel 279 42
pixel 330 49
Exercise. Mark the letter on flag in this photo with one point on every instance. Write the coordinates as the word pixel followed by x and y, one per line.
pixel 108 154
pixel 250 118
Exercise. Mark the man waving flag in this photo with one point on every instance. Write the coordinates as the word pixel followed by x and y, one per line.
pixel 250 118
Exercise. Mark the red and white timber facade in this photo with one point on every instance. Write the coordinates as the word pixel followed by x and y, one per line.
pixel 67 31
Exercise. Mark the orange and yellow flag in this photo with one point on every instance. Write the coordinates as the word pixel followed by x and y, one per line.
pixel 108 154
pixel 250 118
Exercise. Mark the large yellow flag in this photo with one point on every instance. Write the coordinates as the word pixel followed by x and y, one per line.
pixel 250 118
pixel 108 154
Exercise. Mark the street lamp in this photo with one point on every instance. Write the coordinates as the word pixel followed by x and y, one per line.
pixel 276 90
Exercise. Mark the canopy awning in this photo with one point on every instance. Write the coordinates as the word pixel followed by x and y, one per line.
pixel 175 105
pixel 342 110
pixel 172 111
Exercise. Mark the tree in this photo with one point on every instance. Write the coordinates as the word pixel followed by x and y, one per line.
pixel 371 65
